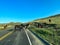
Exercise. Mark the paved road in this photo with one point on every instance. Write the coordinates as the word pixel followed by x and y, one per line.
pixel 3 32
pixel 23 37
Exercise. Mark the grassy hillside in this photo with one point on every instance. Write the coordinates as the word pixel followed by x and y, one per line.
pixel 49 34
pixel 54 19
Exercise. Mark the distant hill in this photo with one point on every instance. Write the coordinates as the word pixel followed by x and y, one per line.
pixel 54 19
pixel 11 23
pixel 14 23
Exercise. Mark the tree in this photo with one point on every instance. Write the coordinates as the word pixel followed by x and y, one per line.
pixel 49 20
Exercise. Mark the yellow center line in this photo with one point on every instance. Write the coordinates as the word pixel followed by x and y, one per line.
pixel 1 38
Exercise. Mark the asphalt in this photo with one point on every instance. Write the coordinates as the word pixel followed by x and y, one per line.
pixel 3 32
pixel 16 38
pixel 23 37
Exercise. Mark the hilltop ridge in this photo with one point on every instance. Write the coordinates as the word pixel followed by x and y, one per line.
pixel 55 19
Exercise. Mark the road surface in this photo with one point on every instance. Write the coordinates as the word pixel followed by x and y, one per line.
pixel 2 32
pixel 23 37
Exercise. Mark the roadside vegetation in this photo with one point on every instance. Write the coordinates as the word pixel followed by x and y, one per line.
pixel 50 31
pixel 48 34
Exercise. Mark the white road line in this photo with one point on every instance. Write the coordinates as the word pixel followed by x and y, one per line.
pixel 28 38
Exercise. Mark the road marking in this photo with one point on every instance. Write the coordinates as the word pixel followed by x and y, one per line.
pixel 28 38
pixel 1 38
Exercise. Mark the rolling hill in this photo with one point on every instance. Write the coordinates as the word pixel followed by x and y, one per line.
pixel 47 33
pixel 54 19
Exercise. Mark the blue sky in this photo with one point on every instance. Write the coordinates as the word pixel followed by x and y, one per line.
pixel 27 10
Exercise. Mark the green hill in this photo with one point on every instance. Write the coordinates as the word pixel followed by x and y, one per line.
pixel 49 33
pixel 54 19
